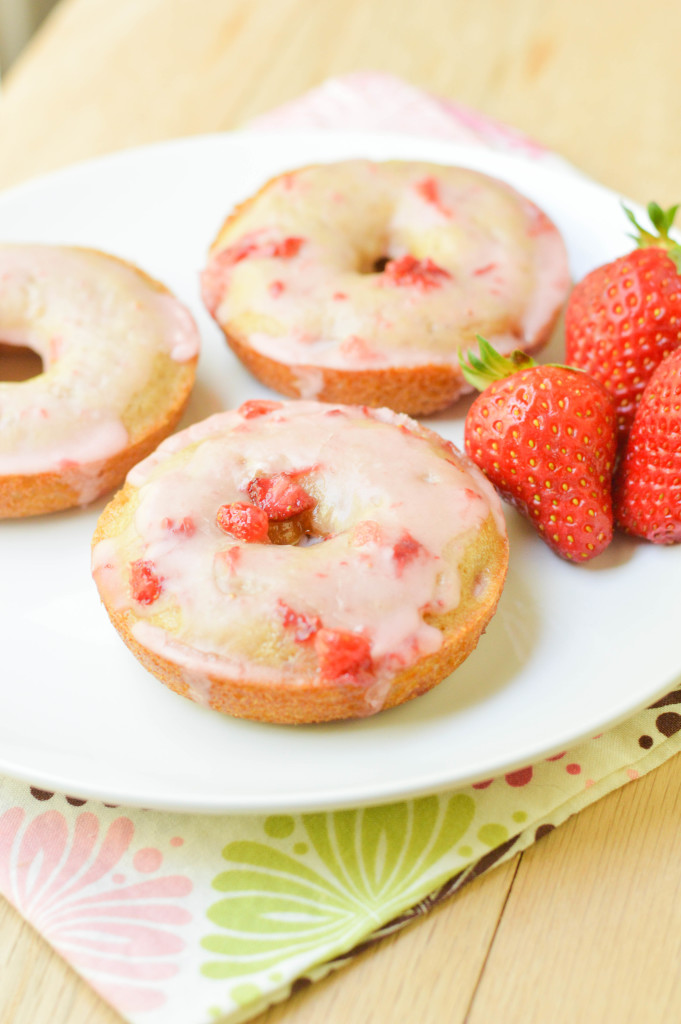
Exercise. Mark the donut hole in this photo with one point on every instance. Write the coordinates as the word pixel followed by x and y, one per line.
pixel 299 531
pixel 372 258
pixel 19 362
pixel 380 263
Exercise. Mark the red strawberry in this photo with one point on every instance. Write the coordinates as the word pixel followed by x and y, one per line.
pixel 424 275
pixel 245 522
pixel 546 438
pixel 405 550
pixel 624 318
pixel 215 277
pixel 303 626
pixel 145 584
pixel 341 653
pixel 647 493
pixel 258 407
pixel 185 527
pixel 280 496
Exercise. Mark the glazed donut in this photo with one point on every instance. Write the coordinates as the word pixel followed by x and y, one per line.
pixel 300 562
pixel 360 282
pixel 119 357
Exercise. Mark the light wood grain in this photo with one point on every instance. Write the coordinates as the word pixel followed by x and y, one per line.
pixel 446 955
pixel 36 985
pixel 101 76
pixel 592 928
pixel 586 925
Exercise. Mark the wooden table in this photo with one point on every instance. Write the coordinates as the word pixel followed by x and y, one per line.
pixel 586 925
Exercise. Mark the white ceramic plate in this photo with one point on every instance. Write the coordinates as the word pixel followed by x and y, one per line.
pixel 571 649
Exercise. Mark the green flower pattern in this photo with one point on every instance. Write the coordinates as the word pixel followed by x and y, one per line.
pixel 328 880
pixel 300 894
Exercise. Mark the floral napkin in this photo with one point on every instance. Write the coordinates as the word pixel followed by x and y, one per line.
pixel 191 919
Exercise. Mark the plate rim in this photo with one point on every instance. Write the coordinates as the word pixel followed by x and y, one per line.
pixel 547 163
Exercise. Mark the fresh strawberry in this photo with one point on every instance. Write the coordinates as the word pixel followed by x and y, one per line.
pixel 647 493
pixel 244 522
pixel 145 584
pixel 624 318
pixel 280 496
pixel 546 438
pixel 341 653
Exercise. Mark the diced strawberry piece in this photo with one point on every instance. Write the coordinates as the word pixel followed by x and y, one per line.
pixel 285 249
pixel 275 288
pixel 231 558
pixel 341 653
pixel 405 550
pixel 357 348
pixel 257 407
pixel 245 522
pixel 279 496
pixel 429 189
pixel 424 275
pixel 145 585
pixel 184 527
pixel 303 626
pixel 251 245
pixel 215 276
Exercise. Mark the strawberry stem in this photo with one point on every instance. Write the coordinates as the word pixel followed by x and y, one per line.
pixel 662 220
pixel 480 371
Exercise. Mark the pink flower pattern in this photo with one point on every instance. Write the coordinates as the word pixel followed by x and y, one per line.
pixel 62 877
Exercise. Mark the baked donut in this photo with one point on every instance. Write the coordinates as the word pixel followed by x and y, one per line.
pixel 360 282
pixel 119 357
pixel 302 562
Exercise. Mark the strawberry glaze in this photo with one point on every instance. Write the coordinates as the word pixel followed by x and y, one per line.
pixel 469 255
pixel 384 553
pixel 99 329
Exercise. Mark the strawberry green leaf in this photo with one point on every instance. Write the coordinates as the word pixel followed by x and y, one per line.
pixel 481 371
pixel 662 220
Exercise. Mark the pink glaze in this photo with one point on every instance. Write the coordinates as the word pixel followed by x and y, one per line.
pixel 496 266
pixel 99 328
pixel 395 506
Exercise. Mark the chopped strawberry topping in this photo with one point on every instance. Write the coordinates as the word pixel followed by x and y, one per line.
pixel 185 527
pixel 230 558
pixel 283 248
pixel 406 550
pixel 215 276
pixel 429 190
pixel 303 626
pixel 341 653
pixel 257 407
pixel 357 348
pixel 144 583
pixel 275 288
pixel 279 496
pixel 410 272
pixel 245 522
